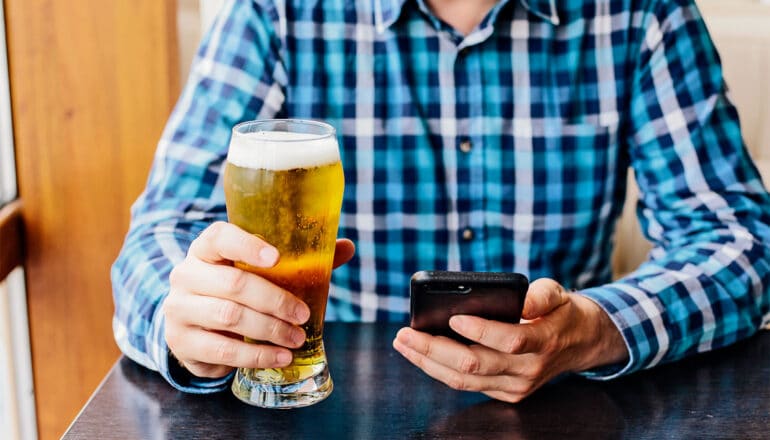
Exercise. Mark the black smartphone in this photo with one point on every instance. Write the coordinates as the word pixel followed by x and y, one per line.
pixel 435 296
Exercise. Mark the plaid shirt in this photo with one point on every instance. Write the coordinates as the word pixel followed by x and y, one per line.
pixel 503 150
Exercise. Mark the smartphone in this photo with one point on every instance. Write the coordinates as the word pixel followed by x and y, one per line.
pixel 436 296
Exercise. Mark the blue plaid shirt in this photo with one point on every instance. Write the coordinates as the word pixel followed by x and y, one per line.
pixel 503 150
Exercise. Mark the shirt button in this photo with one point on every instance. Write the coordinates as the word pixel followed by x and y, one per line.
pixel 468 234
pixel 466 146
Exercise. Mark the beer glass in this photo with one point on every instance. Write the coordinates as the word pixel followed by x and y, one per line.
pixel 283 182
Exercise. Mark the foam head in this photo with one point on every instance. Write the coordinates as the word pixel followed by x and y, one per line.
pixel 281 150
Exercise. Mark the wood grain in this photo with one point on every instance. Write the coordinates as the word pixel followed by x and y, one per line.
pixel 92 84
pixel 11 241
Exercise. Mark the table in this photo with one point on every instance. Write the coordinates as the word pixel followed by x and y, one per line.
pixel 378 394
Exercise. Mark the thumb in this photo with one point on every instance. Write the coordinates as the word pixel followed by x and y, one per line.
pixel 543 297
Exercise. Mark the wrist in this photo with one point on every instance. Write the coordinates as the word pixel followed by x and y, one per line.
pixel 604 342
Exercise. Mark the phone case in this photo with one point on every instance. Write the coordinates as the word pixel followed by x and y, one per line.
pixel 435 296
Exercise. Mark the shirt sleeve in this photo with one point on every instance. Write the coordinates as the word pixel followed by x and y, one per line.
pixel 237 75
pixel 706 283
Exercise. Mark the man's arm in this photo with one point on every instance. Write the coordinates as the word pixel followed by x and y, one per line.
pixel 707 283
pixel 703 204
pixel 237 75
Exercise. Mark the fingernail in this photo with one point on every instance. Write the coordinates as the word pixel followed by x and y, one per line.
pixel 298 337
pixel 457 322
pixel 283 358
pixel 268 255
pixel 405 338
pixel 301 314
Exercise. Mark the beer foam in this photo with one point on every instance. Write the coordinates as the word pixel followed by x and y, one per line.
pixel 280 150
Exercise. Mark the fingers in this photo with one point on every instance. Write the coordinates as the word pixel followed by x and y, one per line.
pixel 236 319
pixel 459 380
pixel 474 359
pixel 211 305
pixel 544 295
pixel 205 347
pixel 343 252
pixel 506 338
pixel 242 287
pixel 511 360
pixel 223 241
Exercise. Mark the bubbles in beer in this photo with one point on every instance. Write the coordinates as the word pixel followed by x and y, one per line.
pixel 287 188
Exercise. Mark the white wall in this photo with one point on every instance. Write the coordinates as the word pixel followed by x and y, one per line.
pixel 209 10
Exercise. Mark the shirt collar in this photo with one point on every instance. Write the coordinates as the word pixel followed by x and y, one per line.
pixel 386 12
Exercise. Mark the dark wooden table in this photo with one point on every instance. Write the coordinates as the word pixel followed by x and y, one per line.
pixel 723 394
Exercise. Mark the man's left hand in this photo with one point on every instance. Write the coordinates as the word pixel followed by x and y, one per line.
pixel 560 332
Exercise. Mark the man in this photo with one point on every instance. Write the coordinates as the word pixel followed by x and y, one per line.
pixel 486 136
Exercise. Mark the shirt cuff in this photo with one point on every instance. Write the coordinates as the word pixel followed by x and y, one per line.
pixel 174 373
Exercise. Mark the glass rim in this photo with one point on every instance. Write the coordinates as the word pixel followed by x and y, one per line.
pixel 330 130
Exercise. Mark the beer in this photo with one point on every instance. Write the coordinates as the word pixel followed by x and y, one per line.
pixel 286 187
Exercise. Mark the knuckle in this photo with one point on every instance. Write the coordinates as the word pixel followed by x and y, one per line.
pixel 209 235
pixel 235 281
pixel 516 390
pixel 534 372
pixel 283 304
pixel 226 352
pixel 246 241
pixel 260 358
pixel 428 349
pixel 469 364
pixel 457 382
pixel 230 314
pixel 552 285
pixel 214 231
pixel 515 344
pixel 275 330
pixel 482 332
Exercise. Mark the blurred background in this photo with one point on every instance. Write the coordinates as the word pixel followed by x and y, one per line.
pixel 85 90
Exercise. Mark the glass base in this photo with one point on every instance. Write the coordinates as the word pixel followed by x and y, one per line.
pixel 268 388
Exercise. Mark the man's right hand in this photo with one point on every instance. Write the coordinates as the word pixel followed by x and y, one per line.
pixel 212 305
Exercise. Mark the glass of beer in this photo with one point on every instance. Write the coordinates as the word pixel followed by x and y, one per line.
pixel 283 182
